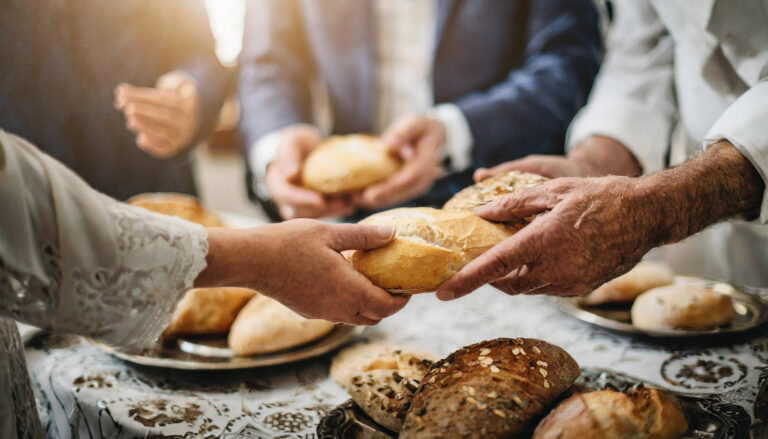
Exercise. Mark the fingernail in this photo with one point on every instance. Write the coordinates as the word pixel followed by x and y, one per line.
pixel 385 232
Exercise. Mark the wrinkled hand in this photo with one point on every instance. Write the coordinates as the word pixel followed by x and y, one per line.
pixel 418 140
pixel 591 230
pixel 299 264
pixel 283 178
pixel 163 118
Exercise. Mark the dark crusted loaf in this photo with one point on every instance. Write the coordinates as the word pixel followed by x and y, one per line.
pixel 491 389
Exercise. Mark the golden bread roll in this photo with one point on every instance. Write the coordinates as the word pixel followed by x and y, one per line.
pixel 207 311
pixel 265 325
pixel 642 413
pixel 625 288
pixel 183 206
pixel 682 306
pixel 492 188
pixel 348 163
pixel 430 246
pixel 492 389
pixel 382 378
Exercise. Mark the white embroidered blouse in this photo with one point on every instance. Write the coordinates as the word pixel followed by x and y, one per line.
pixel 74 260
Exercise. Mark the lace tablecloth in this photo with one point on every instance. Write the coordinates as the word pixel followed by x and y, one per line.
pixel 83 392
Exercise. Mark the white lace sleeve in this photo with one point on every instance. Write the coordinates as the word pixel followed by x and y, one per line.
pixel 74 260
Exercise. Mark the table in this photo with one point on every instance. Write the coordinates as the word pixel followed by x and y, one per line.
pixel 83 392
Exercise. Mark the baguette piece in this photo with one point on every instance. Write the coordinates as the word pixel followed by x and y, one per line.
pixel 492 389
pixel 682 306
pixel 207 311
pixel 347 163
pixel 183 206
pixel 625 288
pixel 492 188
pixel 643 413
pixel 430 246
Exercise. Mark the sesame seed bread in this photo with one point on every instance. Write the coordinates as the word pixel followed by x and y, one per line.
pixel 682 306
pixel 492 389
pixel 183 206
pixel 625 288
pixel 430 246
pixel 643 413
pixel 492 188
pixel 347 163
pixel 207 311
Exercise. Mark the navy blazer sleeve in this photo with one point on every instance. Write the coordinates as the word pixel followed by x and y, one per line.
pixel 276 69
pixel 530 110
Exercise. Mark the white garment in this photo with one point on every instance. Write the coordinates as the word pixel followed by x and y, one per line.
pixel 703 65
pixel 74 260
pixel 405 37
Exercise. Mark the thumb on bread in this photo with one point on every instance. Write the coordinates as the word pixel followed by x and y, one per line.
pixel 359 237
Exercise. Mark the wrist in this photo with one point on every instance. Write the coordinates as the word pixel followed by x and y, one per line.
pixel 234 259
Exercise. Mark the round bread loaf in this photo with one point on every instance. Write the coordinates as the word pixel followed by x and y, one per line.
pixel 183 206
pixel 265 325
pixel 430 246
pixel 642 413
pixel 365 357
pixel 207 311
pixel 682 306
pixel 492 188
pixel 347 163
pixel 643 277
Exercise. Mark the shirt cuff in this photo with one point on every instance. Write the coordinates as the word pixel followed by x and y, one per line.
pixel 743 124
pixel 458 135
pixel 261 154
pixel 643 131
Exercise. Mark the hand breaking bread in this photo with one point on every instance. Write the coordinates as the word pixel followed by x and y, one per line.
pixel 643 413
pixel 492 389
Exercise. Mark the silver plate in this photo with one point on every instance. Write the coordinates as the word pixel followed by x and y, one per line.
pixel 751 311
pixel 212 353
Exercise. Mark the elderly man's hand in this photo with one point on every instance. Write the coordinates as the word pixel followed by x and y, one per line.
pixel 589 231
pixel 299 263
pixel 283 179
pixel 163 118
pixel 419 141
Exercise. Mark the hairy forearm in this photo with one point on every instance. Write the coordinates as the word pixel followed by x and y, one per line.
pixel 600 155
pixel 716 185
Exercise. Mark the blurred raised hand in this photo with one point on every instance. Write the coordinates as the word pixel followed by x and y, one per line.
pixel 164 118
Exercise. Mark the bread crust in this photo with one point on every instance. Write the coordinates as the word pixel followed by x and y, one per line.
pixel 348 163
pixel 492 389
pixel 491 189
pixel 183 206
pixel 644 276
pixel 682 306
pixel 207 311
pixel 430 246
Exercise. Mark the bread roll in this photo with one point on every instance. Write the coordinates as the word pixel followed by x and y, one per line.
pixel 382 378
pixel 638 414
pixel 184 206
pixel 492 389
pixel 682 306
pixel 265 326
pixel 643 277
pixel 492 188
pixel 430 246
pixel 207 311
pixel 348 163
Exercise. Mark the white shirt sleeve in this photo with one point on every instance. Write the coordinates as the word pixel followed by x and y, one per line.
pixel 633 97
pixel 458 135
pixel 261 154
pixel 74 260
pixel 745 125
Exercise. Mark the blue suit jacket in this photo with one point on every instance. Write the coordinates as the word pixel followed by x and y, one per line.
pixel 518 69
pixel 60 61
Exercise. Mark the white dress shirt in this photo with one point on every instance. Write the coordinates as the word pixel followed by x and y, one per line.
pixel 405 37
pixel 680 75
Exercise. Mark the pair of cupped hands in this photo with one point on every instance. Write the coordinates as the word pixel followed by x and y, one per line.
pixel 566 250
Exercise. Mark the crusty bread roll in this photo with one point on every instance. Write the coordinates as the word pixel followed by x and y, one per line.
pixel 382 378
pixel 643 413
pixel 207 311
pixel 643 277
pixel 682 306
pixel 184 206
pixel 492 188
pixel 492 389
pixel 265 325
pixel 347 163
pixel 430 246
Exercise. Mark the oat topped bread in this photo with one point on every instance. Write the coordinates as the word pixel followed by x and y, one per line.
pixel 348 163
pixel 492 188
pixel 183 206
pixel 492 389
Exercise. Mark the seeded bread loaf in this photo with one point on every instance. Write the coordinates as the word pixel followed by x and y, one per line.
pixel 492 389
pixel 492 188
